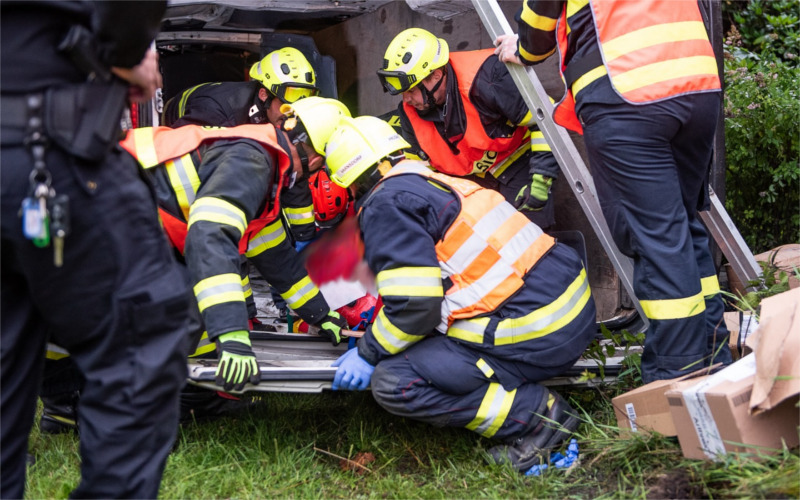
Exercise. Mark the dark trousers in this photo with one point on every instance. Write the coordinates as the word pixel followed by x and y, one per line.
pixel 650 166
pixel 118 304
pixel 448 383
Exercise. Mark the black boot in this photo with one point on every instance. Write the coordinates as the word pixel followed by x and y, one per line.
pixel 59 413
pixel 533 446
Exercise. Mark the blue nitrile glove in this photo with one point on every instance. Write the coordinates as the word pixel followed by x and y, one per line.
pixel 332 327
pixel 354 372
pixel 237 363
pixel 300 245
pixel 534 195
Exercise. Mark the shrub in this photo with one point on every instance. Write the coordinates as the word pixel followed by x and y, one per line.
pixel 768 29
pixel 762 147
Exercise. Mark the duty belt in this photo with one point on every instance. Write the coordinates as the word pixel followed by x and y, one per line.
pixel 14 110
pixel 14 117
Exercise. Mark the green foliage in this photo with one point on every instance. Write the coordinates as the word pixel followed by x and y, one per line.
pixel 762 136
pixel 622 343
pixel 771 282
pixel 768 29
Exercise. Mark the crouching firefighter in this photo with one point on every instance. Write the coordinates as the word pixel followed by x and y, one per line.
pixel 218 192
pixel 479 304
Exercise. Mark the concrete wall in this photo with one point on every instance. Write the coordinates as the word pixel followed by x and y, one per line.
pixel 358 46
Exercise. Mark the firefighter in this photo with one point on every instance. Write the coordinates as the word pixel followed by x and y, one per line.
pixel 479 304
pixel 642 86
pixel 283 76
pixel 464 112
pixel 84 261
pixel 218 192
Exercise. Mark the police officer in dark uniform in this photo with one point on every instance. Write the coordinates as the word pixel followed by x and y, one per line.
pixel 84 260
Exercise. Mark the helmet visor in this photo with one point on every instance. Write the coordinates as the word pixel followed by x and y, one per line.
pixel 396 82
pixel 291 93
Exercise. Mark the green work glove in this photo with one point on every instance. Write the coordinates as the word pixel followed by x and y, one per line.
pixel 332 327
pixel 237 363
pixel 534 196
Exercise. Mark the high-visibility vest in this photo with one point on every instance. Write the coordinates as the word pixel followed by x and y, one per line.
pixel 503 246
pixel 650 50
pixel 154 146
pixel 476 152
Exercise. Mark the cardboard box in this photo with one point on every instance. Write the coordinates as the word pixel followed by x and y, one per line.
pixel 645 409
pixel 713 416
pixel 777 338
pixel 751 405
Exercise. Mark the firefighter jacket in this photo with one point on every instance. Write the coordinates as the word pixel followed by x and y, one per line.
pixel 647 51
pixel 216 190
pixel 453 258
pixel 487 126
pixel 228 104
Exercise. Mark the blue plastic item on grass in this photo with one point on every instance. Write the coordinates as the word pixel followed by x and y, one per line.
pixel 558 460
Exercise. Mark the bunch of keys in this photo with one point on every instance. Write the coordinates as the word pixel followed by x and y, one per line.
pixel 40 224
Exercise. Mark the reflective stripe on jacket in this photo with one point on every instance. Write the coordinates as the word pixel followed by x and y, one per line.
pixel 650 51
pixel 154 146
pixel 487 250
pixel 477 152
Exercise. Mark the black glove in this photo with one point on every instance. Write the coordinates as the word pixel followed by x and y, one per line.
pixel 332 327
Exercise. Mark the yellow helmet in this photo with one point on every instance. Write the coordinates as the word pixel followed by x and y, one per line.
pixel 410 57
pixel 357 145
pixel 287 74
pixel 313 118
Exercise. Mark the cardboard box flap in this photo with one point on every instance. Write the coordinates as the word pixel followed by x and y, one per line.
pixel 777 360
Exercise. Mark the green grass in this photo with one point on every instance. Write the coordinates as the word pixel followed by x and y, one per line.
pixel 282 447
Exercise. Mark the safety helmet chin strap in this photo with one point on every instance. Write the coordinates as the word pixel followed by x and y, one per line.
pixel 301 153
pixel 429 99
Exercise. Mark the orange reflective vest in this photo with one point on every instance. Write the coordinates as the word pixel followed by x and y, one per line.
pixel 172 148
pixel 651 51
pixel 476 152
pixel 503 245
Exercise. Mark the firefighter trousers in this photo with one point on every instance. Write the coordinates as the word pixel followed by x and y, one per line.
pixel 447 383
pixel 118 305
pixel 650 165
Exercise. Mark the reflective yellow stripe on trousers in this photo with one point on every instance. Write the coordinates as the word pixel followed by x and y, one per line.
pixel 493 410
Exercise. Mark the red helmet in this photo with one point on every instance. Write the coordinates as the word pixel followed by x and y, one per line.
pixel 331 201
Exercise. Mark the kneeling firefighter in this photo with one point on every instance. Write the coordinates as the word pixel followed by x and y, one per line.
pixel 218 191
pixel 479 304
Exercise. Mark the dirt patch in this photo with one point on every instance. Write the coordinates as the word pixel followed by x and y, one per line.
pixel 677 483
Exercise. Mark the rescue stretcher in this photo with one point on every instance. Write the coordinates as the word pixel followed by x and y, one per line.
pixel 301 362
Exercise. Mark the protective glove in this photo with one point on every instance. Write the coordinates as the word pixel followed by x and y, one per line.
pixel 237 363
pixel 534 196
pixel 332 327
pixel 353 373
pixel 300 245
